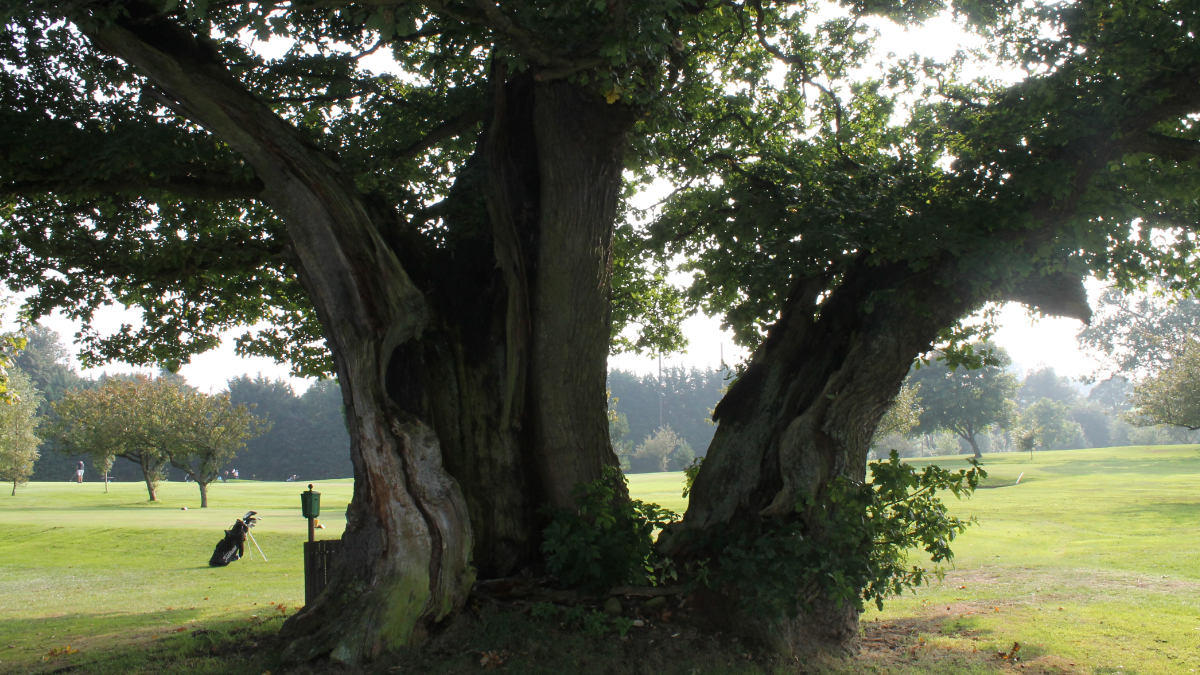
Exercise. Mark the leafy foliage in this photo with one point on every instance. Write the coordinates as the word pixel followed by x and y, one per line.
pixel 904 414
pixel 852 545
pixel 664 450
pixel 966 401
pixel 606 540
pixel 689 475
pixel 10 346
pixel 1048 424
pixel 18 424
pixel 1044 383
pixel 1171 396
pixel 1136 331
pixel 155 423
pixel 44 359
pixel 102 424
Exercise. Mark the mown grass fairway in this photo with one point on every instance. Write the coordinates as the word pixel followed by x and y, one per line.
pixel 1090 564
pixel 126 582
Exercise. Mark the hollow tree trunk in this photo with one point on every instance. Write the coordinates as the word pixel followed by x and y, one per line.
pixel 507 383
pixel 516 377
pixel 398 346
pixel 802 415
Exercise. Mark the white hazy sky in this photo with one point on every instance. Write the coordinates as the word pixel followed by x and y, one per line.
pixel 1033 342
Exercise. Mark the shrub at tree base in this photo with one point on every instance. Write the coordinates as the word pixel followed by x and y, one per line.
pixel 608 539
pixel 848 546
pixel 811 573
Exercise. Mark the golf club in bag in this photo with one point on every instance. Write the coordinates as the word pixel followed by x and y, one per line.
pixel 231 547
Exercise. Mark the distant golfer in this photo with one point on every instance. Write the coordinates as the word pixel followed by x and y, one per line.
pixel 79 472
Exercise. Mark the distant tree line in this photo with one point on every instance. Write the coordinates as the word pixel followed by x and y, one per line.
pixel 988 409
pixel 661 422
pixel 306 438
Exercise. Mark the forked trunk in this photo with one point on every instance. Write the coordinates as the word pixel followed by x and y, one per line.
pixel 490 358
pixel 506 384
pixel 515 377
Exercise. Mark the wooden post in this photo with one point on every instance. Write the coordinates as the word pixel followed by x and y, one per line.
pixel 318 565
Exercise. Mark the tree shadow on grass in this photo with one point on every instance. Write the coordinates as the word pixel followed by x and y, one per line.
pixel 1183 512
pixel 156 642
pixel 942 641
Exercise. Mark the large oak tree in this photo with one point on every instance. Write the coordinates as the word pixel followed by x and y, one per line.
pixel 447 231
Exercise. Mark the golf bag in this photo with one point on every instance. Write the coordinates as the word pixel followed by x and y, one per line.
pixel 232 546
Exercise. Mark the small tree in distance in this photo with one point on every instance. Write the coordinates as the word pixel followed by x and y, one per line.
pixel 156 422
pixel 1051 425
pixel 206 432
pixel 664 450
pixel 102 423
pixel 966 401
pixel 18 420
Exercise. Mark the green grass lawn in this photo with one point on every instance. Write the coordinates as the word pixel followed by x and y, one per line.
pixel 113 575
pixel 1090 564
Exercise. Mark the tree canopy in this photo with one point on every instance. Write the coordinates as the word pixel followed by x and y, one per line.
pixel 1137 332
pixel 155 423
pixel 443 235
pixel 1171 395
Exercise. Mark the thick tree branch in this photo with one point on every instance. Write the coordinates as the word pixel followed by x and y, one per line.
pixel 446 130
pixel 135 184
pixel 1169 147
pixel 326 219
pixel 1058 294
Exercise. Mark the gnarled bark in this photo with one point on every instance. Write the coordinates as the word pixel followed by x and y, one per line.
pixel 473 382
pixel 802 415
pixel 516 380
pixel 407 541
